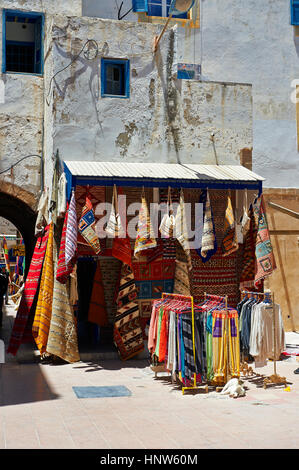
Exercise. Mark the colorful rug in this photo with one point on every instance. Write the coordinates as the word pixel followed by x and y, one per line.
pixel 145 238
pixel 71 235
pixel 42 317
pixel 21 331
pixel 97 312
pixel 86 226
pixel 127 333
pixel 229 242
pixel 63 269
pixel 248 261
pixel 265 260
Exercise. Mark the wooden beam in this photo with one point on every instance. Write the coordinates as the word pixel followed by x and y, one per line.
pixel 284 210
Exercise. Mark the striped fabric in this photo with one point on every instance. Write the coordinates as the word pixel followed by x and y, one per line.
pixel 63 269
pixel 71 235
pixel 127 333
pixel 21 333
pixel 42 317
pixel 208 242
pixel 189 364
pixel 181 230
pixel 181 279
pixel 86 226
pixel 229 242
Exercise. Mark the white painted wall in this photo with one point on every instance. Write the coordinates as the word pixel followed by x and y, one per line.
pixel 252 41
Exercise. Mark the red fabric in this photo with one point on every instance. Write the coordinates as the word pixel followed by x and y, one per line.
pixel 121 247
pixel 163 338
pixel 21 332
pixel 63 269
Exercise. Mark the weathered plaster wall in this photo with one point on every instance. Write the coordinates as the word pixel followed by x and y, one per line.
pixel 164 120
pixel 252 41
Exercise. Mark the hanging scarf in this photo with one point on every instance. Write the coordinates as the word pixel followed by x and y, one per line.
pixel 87 226
pixel 208 241
pixel 71 235
pixel 97 312
pixel 63 269
pixel 145 238
pixel 229 242
pixel 127 332
pixel 248 263
pixel 181 231
pixel 168 220
pixel 42 317
pixel 22 333
pixel 265 260
pixel 114 226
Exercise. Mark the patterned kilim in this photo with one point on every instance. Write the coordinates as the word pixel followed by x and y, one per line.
pixel 21 331
pixel 248 263
pixel 71 236
pixel 87 226
pixel 42 317
pixel 63 269
pixel 127 333
pixel 62 339
pixel 265 261
pixel 229 242
pixel 97 307
pixel 145 238
pixel 181 279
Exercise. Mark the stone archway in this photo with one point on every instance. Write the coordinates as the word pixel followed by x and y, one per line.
pixel 23 216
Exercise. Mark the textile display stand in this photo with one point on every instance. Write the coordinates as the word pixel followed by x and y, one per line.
pixel 274 378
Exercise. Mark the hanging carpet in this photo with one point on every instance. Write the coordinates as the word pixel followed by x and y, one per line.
pixel 97 312
pixel 21 331
pixel 64 269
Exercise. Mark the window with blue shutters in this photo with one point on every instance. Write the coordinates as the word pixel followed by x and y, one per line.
pixel 295 12
pixel 115 78
pixel 22 42
pixel 161 8
pixel 139 5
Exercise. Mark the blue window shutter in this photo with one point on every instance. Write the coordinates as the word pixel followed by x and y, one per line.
pixel 139 5
pixel 295 12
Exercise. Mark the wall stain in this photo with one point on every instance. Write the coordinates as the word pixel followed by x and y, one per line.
pixel 151 93
pixel 124 138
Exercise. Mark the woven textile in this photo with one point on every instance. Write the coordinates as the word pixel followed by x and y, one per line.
pixel 181 229
pixel 114 226
pixel 121 246
pixel 209 241
pixel 63 269
pixel 21 331
pixel 97 307
pixel 265 260
pixel 145 238
pixel 62 338
pixel 181 279
pixel 71 236
pixel 248 262
pixel 87 226
pixel 229 242
pixel 6 255
pixel 189 364
pixel 42 317
pixel 127 333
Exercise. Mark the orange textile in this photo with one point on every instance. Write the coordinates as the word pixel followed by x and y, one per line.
pixel 97 308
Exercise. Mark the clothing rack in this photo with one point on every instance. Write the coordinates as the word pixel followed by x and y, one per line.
pixel 274 378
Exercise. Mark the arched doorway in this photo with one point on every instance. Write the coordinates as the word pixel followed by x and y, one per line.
pixel 23 218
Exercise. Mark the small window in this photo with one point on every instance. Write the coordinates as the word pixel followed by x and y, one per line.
pixel 115 78
pixel 22 42
pixel 161 8
pixel 295 12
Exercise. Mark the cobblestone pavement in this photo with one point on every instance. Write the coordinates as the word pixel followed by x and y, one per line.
pixel 39 409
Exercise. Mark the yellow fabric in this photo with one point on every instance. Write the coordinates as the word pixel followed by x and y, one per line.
pixel 42 317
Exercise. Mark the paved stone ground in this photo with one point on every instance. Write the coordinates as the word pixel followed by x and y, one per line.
pixel 39 409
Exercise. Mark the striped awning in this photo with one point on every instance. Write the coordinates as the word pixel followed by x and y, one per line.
pixel 160 175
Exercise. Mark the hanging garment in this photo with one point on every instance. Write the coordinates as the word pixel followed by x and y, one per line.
pixel 248 263
pixel 87 226
pixel 114 226
pixel 54 194
pixel 181 230
pixel 121 247
pixel 6 256
pixel 74 286
pixel 42 218
pixel 208 242
pixel 181 278
pixel 63 269
pixel 229 242
pixel 61 199
pixel 97 307
pixel 172 345
pixel 168 220
pixel 127 333
pixel 145 238
pixel 163 338
pixel 265 260
pixel 62 338
pixel 71 234
pixel 42 317
pixel 21 331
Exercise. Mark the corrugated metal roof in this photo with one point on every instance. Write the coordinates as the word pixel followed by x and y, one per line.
pixel 161 171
